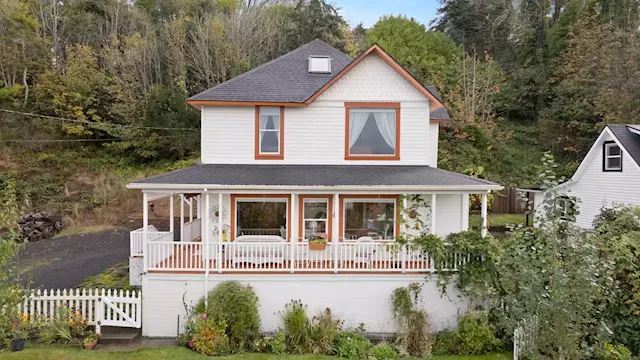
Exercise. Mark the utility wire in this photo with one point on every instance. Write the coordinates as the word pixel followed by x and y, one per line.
pixel 89 140
pixel 95 122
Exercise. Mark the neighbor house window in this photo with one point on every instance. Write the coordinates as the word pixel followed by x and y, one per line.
pixel 565 208
pixel 269 141
pixel 315 217
pixel 260 216
pixel 372 131
pixel 612 157
pixel 373 218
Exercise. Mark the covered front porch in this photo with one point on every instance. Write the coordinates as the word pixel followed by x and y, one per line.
pixel 271 232
pixel 264 218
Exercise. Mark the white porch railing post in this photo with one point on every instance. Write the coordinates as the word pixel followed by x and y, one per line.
pixel 335 239
pixel 403 259
pixel 171 225
pixel 145 230
pixel 181 217
pixel 219 252
pixel 483 215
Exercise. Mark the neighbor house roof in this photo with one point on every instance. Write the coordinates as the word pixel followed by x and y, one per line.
pixel 287 81
pixel 629 138
pixel 228 175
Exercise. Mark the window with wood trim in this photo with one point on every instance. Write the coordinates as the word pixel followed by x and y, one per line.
pixel 612 157
pixel 364 216
pixel 372 131
pixel 269 133
pixel 315 217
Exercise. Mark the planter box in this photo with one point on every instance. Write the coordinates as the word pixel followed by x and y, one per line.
pixel 92 345
pixel 317 247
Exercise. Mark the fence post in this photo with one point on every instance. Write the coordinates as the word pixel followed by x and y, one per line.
pixel 99 312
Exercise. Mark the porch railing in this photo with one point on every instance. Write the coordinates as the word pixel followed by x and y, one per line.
pixel 136 236
pixel 232 257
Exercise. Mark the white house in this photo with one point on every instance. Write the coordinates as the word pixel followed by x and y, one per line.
pixel 310 143
pixel 608 175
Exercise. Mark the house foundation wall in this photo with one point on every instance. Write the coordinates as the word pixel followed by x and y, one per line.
pixel 353 298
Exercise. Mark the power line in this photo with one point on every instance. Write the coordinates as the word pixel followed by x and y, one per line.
pixel 95 122
pixel 90 140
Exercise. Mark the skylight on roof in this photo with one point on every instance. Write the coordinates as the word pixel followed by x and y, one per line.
pixel 319 65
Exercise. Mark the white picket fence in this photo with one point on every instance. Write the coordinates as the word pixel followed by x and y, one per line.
pixel 99 307
pixel 525 338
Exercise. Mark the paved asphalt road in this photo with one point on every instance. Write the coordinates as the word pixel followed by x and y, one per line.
pixel 66 261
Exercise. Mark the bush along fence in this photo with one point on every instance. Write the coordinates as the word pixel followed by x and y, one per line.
pixel 525 337
pixel 98 307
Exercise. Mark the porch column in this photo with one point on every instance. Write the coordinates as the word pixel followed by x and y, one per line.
pixel 181 217
pixel 171 213
pixel 293 227
pixel 433 213
pixel 190 209
pixel 483 215
pixel 206 238
pixel 145 231
pixel 335 230
pixel 198 206
pixel 219 252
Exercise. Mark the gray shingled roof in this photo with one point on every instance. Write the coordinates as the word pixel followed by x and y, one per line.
pixel 629 140
pixel 286 79
pixel 314 175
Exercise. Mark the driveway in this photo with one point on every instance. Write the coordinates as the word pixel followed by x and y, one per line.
pixel 66 261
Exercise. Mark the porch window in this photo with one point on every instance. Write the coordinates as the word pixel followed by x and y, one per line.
pixel 315 217
pixel 261 217
pixel 269 132
pixel 374 218
pixel 372 133
pixel 612 157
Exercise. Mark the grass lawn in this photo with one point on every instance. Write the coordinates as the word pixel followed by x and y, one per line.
pixel 174 352
pixel 499 219
pixel 111 278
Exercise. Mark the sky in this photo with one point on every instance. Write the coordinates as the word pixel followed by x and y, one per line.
pixel 369 11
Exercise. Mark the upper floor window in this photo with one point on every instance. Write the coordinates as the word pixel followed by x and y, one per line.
pixel 269 134
pixel 372 131
pixel 612 159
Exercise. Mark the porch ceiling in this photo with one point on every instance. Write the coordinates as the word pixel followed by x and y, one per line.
pixel 329 177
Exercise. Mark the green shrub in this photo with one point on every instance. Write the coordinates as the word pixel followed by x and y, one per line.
pixel 209 338
pixel 237 306
pixel 279 343
pixel 384 351
pixel 474 336
pixel 447 343
pixel 315 336
pixel 607 351
pixel 352 345
pixel 413 323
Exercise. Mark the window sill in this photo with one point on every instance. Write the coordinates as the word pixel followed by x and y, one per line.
pixel 269 157
pixel 373 157
pixel 612 170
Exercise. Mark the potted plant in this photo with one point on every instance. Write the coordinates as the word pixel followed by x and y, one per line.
pixel 19 336
pixel 318 242
pixel 90 341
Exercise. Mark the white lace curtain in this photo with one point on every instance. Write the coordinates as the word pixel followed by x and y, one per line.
pixel 266 114
pixel 385 121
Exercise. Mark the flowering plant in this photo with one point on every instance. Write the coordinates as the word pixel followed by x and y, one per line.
pixel 320 238
pixel 208 337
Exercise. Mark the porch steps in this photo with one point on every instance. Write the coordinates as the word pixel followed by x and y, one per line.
pixel 116 335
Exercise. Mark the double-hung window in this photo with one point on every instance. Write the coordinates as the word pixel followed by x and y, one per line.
pixel 269 133
pixel 315 215
pixel 612 157
pixel 372 131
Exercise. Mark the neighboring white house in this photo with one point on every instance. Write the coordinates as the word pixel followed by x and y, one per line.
pixel 310 143
pixel 608 175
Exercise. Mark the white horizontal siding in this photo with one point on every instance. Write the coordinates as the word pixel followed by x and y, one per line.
pixel 355 299
pixel 596 187
pixel 316 134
